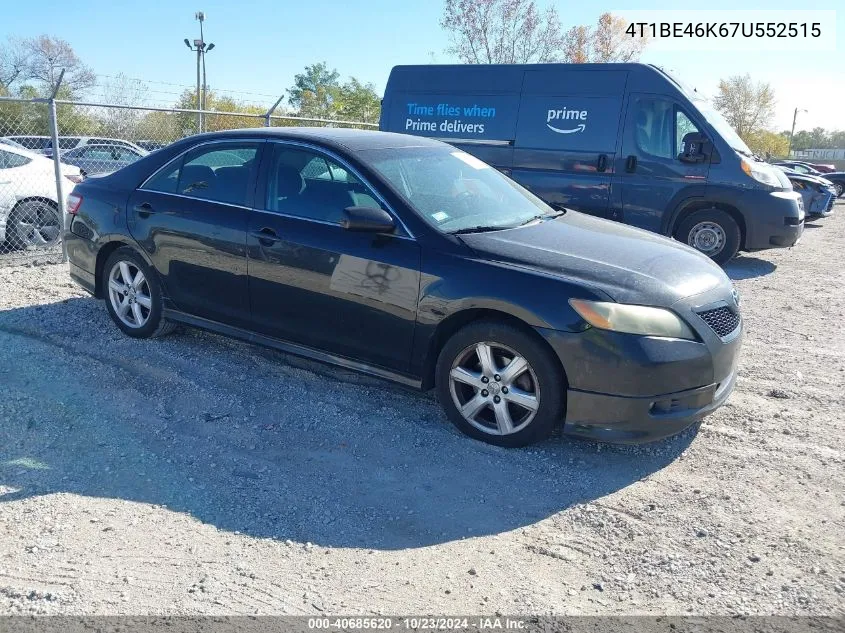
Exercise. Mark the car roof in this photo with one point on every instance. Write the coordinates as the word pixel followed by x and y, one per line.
pixel 343 138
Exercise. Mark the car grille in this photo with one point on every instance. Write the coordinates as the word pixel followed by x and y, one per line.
pixel 723 321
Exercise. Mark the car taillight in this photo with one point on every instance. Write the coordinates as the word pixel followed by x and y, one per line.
pixel 75 178
pixel 73 203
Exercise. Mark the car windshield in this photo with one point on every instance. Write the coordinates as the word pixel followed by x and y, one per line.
pixel 454 191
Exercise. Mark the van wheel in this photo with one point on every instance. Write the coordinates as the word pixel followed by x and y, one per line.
pixel 499 384
pixel 712 232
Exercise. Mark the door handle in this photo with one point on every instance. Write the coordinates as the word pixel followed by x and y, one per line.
pixel 144 210
pixel 631 164
pixel 602 164
pixel 266 236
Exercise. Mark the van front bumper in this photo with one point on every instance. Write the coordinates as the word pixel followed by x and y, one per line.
pixel 773 219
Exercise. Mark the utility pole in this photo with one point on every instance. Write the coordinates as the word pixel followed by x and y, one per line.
pixel 792 133
pixel 201 48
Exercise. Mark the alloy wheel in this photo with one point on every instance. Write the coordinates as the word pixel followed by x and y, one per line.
pixel 707 237
pixel 494 388
pixel 37 224
pixel 129 293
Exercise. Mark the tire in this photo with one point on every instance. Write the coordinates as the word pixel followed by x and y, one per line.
pixel 840 187
pixel 143 316
pixel 541 384
pixel 711 226
pixel 34 224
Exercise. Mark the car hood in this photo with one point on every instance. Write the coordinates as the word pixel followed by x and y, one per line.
pixel 630 265
pixel 809 178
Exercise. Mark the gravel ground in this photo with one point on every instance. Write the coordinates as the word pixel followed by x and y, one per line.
pixel 199 475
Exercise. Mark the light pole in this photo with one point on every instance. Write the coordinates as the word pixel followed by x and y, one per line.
pixel 792 133
pixel 201 48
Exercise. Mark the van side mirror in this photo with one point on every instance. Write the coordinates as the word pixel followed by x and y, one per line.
pixel 695 148
pixel 367 219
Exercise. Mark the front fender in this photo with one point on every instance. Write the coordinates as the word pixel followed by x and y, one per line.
pixel 455 284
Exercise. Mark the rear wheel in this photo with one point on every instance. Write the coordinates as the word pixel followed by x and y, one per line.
pixel 840 187
pixel 133 295
pixel 34 224
pixel 499 384
pixel 712 232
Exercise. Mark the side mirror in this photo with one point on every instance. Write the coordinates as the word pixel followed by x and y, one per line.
pixel 367 219
pixel 695 148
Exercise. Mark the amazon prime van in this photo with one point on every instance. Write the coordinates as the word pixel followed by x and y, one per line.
pixel 626 142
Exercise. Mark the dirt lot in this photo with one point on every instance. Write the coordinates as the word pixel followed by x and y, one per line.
pixel 198 475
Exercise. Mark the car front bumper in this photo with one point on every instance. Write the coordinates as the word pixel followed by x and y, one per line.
pixel 630 389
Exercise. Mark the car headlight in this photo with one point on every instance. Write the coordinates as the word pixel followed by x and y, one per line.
pixel 761 172
pixel 632 319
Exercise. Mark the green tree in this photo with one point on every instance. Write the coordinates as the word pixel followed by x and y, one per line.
pixel 356 101
pixel 769 144
pixel 218 119
pixel 313 92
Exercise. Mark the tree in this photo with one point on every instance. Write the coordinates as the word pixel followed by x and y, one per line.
pixel 766 143
pixel 314 91
pixel 13 66
pixel 355 101
pixel 606 42
pixel 47 57
pixel 502 31
pixel 214 122
pixel 748 106
pixel 122 122
pixel 516 32
pixel 37 62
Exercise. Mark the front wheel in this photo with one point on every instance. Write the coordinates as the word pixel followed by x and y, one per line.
pixel 712 232
pixel 499 384
pixel 840 187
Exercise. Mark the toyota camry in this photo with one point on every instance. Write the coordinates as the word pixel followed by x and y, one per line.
pixel 405 258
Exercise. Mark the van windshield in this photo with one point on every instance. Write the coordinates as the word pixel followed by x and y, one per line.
pixel 715 118
pixel 454 191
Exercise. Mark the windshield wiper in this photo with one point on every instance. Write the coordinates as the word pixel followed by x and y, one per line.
pixel 544 216
pixel 479 229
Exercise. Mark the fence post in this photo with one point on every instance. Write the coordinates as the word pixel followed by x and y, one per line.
pixel 271 110
pixel 57 163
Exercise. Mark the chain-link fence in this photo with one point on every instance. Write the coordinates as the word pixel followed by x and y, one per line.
pixel 92 139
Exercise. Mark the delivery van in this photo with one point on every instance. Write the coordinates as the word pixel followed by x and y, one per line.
pixel 627 142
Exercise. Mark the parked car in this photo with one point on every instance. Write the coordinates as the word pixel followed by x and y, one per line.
pixel 101 158
pixel 622 141
pixel 818 194
pixel 835 177
pixel 824 168
pixel 74 142
pixel 29 215
pixel 7 141
pixel 150 146
pixel 33 143
pixel 405 258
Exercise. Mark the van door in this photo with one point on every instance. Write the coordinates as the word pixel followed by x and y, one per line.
pixel 652 181
pixel 567 136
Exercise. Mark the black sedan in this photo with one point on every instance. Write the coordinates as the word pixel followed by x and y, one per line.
pixel 405 258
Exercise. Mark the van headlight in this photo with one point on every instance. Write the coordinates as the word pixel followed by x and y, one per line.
pixel 761 172
pixel 632 319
